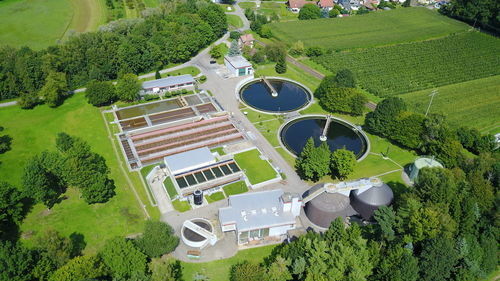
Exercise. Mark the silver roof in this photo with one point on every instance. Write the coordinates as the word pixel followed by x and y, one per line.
pixel 238 61
pixel 376 195
pixel 190 159
pixel 168 81
pixel 256 210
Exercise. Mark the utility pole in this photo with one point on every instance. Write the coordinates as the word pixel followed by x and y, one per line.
pixel 434 92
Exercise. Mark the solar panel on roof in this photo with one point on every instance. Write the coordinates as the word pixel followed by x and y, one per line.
pixel 226 170
pixel 181 182
pixel 208 174
pixel 217 172
pixel 190 179
pixel 199 177
pixel 234 167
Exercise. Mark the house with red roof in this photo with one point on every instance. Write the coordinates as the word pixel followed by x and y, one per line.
pixel 326 4
pixel 295 5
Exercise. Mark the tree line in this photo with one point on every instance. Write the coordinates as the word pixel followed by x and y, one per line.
pixel 445 227
pixel 58 258
pixel 170 34
pixel 484 13
pixel 429 135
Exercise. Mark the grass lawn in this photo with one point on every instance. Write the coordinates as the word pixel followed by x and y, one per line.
pixel 181 206
pixel 193 70
pixel 269 130
pixel 256 169
pixel 373 29
pixel 287 156
pixel 235 188
pixel 169 186
pixel 234 20
pixel 280 9
pixel 247 5
pixel 473 103
pixel 217 196
pixel 292 72
pixel 40 23
pixel 34 131
pixel 219 270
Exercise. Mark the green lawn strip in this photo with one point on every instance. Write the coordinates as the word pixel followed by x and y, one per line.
pixel 288 158
pixel 220 269
pixel 316 66
pixel 219 150
pixel 255 116
pixel 225 6
pixel 473 103
pixel 34 131
pixel 193 70
pixel 256 169
pixel 151 3
pixel 247 5
pixel 280 9
pixel 169 186
pixel 293 72
pixel 234 20
pixel 216 196
pixel 181 206
pixel 373 29
pixel 235 188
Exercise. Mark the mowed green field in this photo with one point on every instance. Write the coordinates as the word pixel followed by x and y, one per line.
pixel 34 131
pixel 373 29
pixel 474 103
pixel 40 23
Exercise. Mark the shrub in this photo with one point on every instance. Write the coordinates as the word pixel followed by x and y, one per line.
pixel 309 11
pixel 100 93
pixel 149 97
pixel 158 239
pixel 235 35
pixel 314 51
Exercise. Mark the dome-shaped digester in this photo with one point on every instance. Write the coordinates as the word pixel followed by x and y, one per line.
pixel 365 202
pixel 326 207
pixel 423 162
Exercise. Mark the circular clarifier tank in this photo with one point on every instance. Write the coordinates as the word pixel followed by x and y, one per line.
pixel 275 95
pixel 194 238
pixel 295 134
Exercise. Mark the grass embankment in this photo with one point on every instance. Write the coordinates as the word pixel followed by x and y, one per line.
pixel 41 23
pixel 374 29
pixel 169 186
pixel 256 169
pixel 193 70
pixel 473 103
pixel 216 196
pixel 34 131
pixel 234 20
pixel 181 206
pixel 220 269
pixel 235 188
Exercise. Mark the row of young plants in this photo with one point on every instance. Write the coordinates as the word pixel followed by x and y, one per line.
pixel 398 69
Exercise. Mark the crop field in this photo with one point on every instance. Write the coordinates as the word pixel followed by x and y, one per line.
pixel 370 30
pixel 40 23
pixel 473 103
pixel 404 68
pixel 35 130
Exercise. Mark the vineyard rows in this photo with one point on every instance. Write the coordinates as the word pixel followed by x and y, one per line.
pixel 404 68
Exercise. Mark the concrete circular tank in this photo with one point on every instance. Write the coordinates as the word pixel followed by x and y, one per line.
pixel 197 233
pixel 367 201
pixel 326 207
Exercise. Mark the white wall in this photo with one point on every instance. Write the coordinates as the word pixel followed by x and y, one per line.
pixel 280 230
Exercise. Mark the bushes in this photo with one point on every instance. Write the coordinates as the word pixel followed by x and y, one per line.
pixel 336 95
pixel 100 93
pixel 158 239
pixel 472 140
pixel 315 51
pixel 309 12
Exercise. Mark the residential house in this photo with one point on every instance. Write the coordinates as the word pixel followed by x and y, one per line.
pixel 326 4
pixel 246 40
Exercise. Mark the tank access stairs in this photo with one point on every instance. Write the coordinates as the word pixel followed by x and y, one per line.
pixel 274 93
pixel 344 187
pixel 211 238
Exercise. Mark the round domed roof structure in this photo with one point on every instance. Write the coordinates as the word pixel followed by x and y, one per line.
pixel 326 207
pixel 365 202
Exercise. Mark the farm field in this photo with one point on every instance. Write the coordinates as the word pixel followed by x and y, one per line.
pixel 40 23
pixel 473 103
pixel 34 131
pixel 370 30
pixel 404 68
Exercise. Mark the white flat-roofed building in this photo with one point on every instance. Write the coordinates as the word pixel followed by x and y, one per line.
pixel 171 83
pixel 238 66
pixel 260 215
pixel 189 160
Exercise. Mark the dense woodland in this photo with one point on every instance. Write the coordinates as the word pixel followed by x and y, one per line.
pixel 483 13
pixel 171 34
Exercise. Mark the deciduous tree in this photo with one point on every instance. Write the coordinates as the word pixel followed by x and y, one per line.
pixel 123 258
pixel 128 87
pixel 309 12
pixel 158 239
pixel 81 268
pixel 342 163
pixel 55 89
pixel 100 93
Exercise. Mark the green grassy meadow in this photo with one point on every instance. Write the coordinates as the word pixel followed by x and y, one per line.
pixel 34 131
pixel 370 30
pixel 41 23
pixel 234 20
pixel 256 169
pixel 235 188
pixel 473 103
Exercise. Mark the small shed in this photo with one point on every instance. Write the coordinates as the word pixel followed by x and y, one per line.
pixel 238 66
